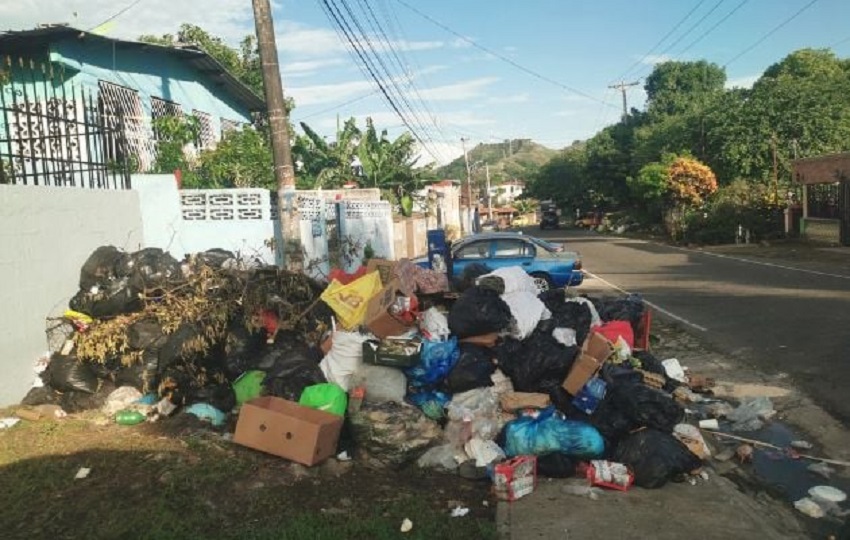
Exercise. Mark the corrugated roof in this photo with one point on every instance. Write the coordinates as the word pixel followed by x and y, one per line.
pixel 198 59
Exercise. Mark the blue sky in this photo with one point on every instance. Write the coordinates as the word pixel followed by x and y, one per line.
pixel 458 90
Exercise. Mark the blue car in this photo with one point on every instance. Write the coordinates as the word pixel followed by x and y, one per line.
pixel 549 264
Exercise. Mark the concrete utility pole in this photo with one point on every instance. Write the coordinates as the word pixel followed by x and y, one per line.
pixel 284 172
pixel 622 86
pixel 468 182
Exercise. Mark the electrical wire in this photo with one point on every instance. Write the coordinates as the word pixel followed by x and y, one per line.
pixel 714 27
pixel 498 55
pixel 118 14
pixel 771 32
pixel 660 41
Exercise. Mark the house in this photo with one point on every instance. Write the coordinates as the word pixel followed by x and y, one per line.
pixel 506 192
pixel 826 197
pixel 74 105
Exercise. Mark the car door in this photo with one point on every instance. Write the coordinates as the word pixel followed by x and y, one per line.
pixel 511 252
pixel 476 251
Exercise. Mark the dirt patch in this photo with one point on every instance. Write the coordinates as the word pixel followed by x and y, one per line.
pixel 179 481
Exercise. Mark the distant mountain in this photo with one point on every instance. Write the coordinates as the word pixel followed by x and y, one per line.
pixel 517 159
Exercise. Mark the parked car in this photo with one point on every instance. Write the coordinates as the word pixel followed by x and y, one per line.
pixel 551 265
pixel 549 219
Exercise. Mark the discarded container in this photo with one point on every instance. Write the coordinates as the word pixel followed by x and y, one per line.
pixel 810 508
pixel 206 412
pixel 609 474
pixel 129 417
pixel 711 423
pixel 515 478
pixel 286 429
pixel 827 494
pixel 590 396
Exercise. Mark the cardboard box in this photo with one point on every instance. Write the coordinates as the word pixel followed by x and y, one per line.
pixel 484 340
pixel 284 428
pixel 397 353
pixel 380 321
pixel 384 267
pixel 594 352
pixel 513 401
pixel 515 478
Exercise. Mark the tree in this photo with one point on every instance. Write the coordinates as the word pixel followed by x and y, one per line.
pixel 690 182
pixel 675 87
pixel 323 164
pixel 243 158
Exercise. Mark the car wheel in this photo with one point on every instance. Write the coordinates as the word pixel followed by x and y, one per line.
pixel 542 281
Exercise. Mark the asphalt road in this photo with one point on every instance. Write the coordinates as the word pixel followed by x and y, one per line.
pixel 776 317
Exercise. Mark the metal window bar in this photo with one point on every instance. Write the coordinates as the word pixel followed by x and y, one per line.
pixel 229 125
pixel 206 135
pixel 161 108
pixel 50 131
pixel 123 108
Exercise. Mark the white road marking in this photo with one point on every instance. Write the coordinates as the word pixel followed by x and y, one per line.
pixel 654 306
pixel 739 259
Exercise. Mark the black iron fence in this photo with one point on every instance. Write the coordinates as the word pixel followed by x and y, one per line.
pixel 55 133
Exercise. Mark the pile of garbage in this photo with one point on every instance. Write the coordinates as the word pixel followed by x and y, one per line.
pixel 495 380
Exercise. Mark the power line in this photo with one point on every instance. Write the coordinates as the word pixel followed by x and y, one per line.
pixel 340 105
pixel 499 55
pixel 840 42
pixel 660 41
pixel 771 32
pixel 710 30
pixel 120 12
pixel 366 64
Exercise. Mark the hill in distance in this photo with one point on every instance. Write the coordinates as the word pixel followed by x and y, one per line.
pixel 517 159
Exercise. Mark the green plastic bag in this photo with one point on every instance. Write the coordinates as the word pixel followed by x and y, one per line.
pixel 248 386
pixel 326 397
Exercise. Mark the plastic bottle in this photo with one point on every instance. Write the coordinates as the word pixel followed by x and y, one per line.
pixel 129 417
pixel 355 398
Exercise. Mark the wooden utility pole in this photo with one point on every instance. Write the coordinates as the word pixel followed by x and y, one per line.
pixel 468 182
pixel 284 172
pixel 622 86
pixel 489 199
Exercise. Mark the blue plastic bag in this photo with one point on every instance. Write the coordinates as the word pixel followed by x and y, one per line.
pixel 435 363
pixel 548 432
pixel 207 412
pixel 431 402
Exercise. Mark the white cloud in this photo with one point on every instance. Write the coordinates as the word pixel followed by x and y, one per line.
pixel 742 82
pixel 566 113
pixel 229 19
pixel 457 91
pixel 517 98
pixel 327 93
pixel 652 59
pixel 460 43
pixel 301 40
pixel 309 67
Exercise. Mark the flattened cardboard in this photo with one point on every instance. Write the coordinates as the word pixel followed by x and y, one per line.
pixel 484 340
pixel 384 267
pixel 284 428
pixel 379 356
pixel 513 401
pixel 378 319
pixel 594 352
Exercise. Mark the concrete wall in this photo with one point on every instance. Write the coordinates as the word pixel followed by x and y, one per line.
pixel 45 236
pixel 410 236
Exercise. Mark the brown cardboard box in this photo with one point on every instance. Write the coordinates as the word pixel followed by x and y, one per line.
pixel 286 429
pixel 594 352
pixel 513 401
pixel 384 267
pixel 380 321
pixel 484 340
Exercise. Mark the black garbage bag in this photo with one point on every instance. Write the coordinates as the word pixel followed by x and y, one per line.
pixel 506 351
pixel 41 395
pixel 220 396
pixel 69 374
pixel 291 372
pixel 470 273
pixel 145 335
pixel 492 283
pixel 149 268
pixel 648 362
pixel 565 314
pixel 243 350
pixel 143 376
pixel 479 311
pixel 472 370
pixel 214 258
pixel 646 406
pixel 628 308
pixel 541 364
pixel 101 267
pixel 173 350
pixel 556 465
pixel 74 402
pixel 109 299
pixel 655 457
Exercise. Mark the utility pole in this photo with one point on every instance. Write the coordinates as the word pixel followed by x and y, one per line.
pixel 284 172
pixel 468 182
pixel 775 169
pixel 622 86
pixel 489 201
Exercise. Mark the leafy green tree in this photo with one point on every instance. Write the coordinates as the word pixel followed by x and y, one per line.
pixel 243 158
pixel 324 164
pixel 675 87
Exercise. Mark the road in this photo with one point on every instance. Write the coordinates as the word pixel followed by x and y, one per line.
pixel 776 317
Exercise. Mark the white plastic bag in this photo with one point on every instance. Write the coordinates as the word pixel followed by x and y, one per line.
pixel 434 324
pixel 382 383
pixel 344 358
pixel 516 279
pixel 121 398
pixel 527 311
pixel 565 336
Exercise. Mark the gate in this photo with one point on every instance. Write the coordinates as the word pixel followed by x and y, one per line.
pixel 54 133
